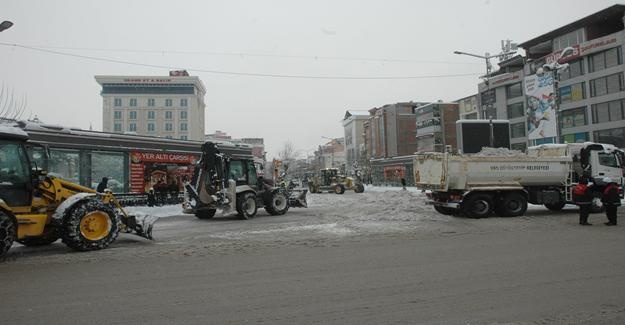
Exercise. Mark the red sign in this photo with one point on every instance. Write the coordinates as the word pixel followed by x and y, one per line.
pixel 394 172
pixel 582 49
pixel 164 170
pixel 137 157
pixel 147 80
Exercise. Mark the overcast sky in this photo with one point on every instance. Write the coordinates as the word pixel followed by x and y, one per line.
pixel 329 38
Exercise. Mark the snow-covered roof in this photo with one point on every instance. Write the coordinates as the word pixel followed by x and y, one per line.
pixel 353 112
pixel 13 131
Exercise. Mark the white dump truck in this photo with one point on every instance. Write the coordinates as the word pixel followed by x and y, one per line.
pixel 504 181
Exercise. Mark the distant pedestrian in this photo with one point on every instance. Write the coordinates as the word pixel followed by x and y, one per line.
pixel 583 198
pixel 403 184
pixel 103 185
pixel 611 199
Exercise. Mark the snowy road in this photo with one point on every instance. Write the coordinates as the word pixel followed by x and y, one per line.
pixel 378 257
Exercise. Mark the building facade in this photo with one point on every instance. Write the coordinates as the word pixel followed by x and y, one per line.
pixel 436 126
pixel 353 126
pixel 467 108
pixel 161 106
pixel 392 130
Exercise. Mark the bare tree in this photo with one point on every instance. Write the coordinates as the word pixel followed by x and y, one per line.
pixel 288 154
pixel 12 107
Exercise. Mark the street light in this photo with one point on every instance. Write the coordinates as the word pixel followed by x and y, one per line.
pixel 556 67
pixel 5 25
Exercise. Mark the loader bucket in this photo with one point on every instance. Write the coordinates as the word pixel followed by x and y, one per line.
pixel 140 225
pixel 298 200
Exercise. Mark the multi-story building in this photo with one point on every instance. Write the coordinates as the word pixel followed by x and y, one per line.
pixel 258 147
pixel 353 125
pixel 332 154
pixel 161 106
pixel 467 108
pixel 392 128
pixel 436 126
pixel 591 90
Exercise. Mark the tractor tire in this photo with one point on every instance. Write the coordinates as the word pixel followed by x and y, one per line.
pixel 359 188
pixel 205 214
pixel 49 236
pixel 339 189
pixel 478 206
pixel 8 232
pixel 512 205
pixel 246 205
pixel 445 210
pixel 278 204
pixel 90 225
pixel 555 206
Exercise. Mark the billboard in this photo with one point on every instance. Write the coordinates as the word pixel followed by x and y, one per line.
pixel 160 171
pixel 472 135
pixel 541 114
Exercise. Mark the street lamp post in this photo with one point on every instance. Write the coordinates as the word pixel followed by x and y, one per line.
pixel 556 67
pixel 5 25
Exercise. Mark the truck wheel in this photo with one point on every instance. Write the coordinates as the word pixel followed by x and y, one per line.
pixel 8 232
pixel 278 204
pixel 512 205
pixel 555 206
pixel 205 214
pixel 49 236
pixel 246 205
pixel 339 189
pixel 90 225
pixel 478 206
pixel 445 210
pixel 359 188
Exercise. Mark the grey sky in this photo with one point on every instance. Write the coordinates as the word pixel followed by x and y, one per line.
pixel 410 35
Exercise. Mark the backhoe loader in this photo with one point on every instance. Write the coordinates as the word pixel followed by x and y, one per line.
pixel 37 209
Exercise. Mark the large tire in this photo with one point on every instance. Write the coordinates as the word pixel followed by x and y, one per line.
pixel 512 204
pixel 49 236
pixel 90 225
pixel 359 188
pixel 478 206
pixel 278 203
pixel 205 214
pixel 339 189
pixel 445 210
pixel 246 205
pixel 555 206
pixel 8 232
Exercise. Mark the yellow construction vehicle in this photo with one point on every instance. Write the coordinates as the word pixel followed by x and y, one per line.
pixel 37 209
pixel 329 179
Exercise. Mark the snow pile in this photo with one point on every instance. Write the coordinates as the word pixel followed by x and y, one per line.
pixel 160 212
pixel 498 152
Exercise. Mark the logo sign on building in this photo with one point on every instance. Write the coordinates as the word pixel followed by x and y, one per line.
pixel 160 171
pixel 583 49
pixel 541 114
pixel 488 97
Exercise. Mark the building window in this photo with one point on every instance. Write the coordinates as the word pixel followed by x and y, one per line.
pixel 133 102
pixel 168 115
pixel 183 126
pixel 606 85
pixel 183 137
pixel 572 118
pixel 151 115
pixel 570 39
pixel 117 102
pixel 117 115
pixel 132 127
pixel 117 127
pixel 183 115
pixel 608 111
pixel 572 93
pixel 150 127
pixel 517 130
pixel 168 137
pixel 168 102
pixel 604 60
pixel 514 90
pixel 518 146
pixel 168 127
pixel 574 138
pixel 184 102
pixel 151 102
pixel 515 110
pixel 132 115
pixel 576 69
pixel 612 136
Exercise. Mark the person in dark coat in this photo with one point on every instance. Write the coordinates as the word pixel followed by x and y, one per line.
pixel 103 185
pixel 583 198
pixel 611 199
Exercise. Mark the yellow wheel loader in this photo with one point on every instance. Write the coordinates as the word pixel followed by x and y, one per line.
pixel 36 209
pixel 329 179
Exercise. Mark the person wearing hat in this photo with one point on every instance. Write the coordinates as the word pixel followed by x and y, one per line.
pixel 611 200
pixel 583 198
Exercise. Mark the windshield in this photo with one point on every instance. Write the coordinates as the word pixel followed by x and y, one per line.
pixel 608 159
pixel 13 163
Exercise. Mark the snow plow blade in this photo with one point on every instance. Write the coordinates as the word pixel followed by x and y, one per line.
pixel 140 225
pixel 298 200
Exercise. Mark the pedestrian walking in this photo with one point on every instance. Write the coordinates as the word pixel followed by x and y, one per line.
pixel 611 199
pixel 583 198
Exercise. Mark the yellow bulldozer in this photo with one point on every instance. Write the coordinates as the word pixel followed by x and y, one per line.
pixel 329 179
pixel 37 209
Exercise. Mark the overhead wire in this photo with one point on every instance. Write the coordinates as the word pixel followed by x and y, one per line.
pixel 234 73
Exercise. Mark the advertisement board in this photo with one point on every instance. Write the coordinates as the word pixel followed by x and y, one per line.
pixel 164 172
pixel 541 114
